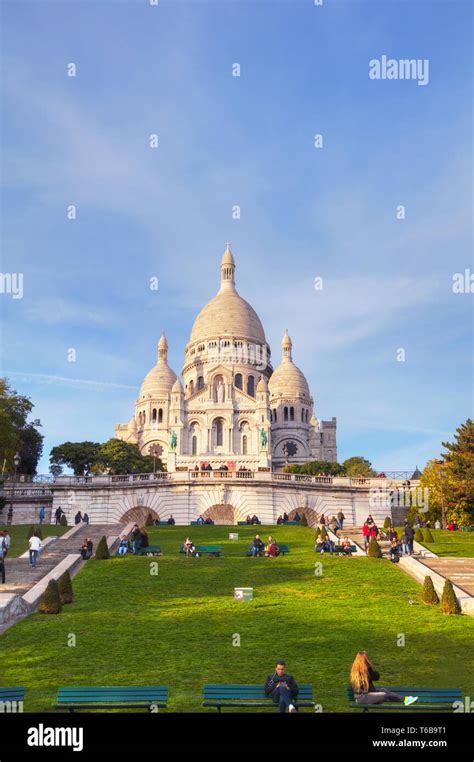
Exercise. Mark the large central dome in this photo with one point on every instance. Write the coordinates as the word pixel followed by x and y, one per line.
pixel 227 313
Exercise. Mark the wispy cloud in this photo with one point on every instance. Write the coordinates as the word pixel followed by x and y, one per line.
pixel 42 378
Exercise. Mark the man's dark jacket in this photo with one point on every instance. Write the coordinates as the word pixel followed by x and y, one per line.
pixel 272 681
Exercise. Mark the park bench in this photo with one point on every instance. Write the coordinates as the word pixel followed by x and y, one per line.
pixel 283 549
pixel 10 698
pixel 223 695
pixel 150 550
pixel 439 699
pixel 163 524
pixel 112 697
pixel 339 549
pixel 467 529
pixel 244 524
pixel 211 550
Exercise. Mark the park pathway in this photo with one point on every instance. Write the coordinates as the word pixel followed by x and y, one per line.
pixel 459 570
pixel 21 576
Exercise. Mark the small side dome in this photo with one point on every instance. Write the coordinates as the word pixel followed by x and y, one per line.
pixel 262 385
pixel 177 387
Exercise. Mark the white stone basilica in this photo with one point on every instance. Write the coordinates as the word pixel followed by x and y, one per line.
pixel 232 407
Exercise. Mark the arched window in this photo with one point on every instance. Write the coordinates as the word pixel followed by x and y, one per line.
pixel 153 415
pixel 200 383
pixel 306 416
pixel 219 432
pixel 292 413
pixel 238 381
pixel 285 413
pixel 275 416
pixel 251 386
pixel 194 445
pixel 302 415
pixel 160 415
pixel 244 444
pixel 191 387
pixel 144 417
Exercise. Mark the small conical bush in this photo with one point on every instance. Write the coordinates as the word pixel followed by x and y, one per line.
pixel 65 588
pixel 429 594
pixel 449 602
pixel 102 552
pixel 63 521
pixel 427 536
pixel 149 520
pixel 387 523
pixel 374 550
pixel 324 533
pixel 418 535
pixel 145 541
pixel 50 602
pixel 304 520
pixel 318 532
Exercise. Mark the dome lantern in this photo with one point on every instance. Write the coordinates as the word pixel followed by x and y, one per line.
pixel 227 269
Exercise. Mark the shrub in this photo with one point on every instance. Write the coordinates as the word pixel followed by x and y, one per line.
pixel 145 542
pixel 449 602
pixel 318 532
pixel 387 523
pixel 149 520
pixel 50 602
pixel 63 521
pixel 427 536
pixel 304 520
pixel 65 588
pixel 323 533
pixel 418 535
pixel 374 550
pixel 102 552
pixel 429 594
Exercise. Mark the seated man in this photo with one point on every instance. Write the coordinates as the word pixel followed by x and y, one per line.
pixel 297 517
pixel 280 520
pixel 257 547
pixel 255 519
pixel 282 687
pixel 324 544
pixel 200 519
pixel 124 546
pixel 171 519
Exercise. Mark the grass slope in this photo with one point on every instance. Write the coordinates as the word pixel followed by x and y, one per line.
pixel 177 628
pixel 19 535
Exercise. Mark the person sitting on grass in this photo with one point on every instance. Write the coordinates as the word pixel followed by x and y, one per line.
pixel 257 547
pixel 272 548
pixel 190 548
pixel 363 676
pixel 124 546
pixel 346 546
pixel 282 688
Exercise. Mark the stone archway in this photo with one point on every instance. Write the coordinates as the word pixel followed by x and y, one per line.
pixel 138 515
pixel 222 513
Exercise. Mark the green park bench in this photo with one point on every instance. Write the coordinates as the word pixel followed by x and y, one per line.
pixel 163 524
pixel 210 550
pixel 223 695
pixel 10 697
pixel 283 549
pixel 439 699
pixel 467 529
pixel 150 550
pixel 244 524
pixel 338 549
pixel 112 697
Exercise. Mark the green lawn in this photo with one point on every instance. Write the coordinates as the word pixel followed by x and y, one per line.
pixel 177 628
pixel 448 543
pixel 19 535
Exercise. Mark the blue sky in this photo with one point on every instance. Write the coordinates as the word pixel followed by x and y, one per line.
pixel 248 140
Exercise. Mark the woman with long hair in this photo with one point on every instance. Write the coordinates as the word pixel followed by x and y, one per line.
pixel 363 676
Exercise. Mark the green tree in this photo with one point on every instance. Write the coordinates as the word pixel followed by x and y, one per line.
pixel 374 550
pixel 449 602
pixel 80 456
pixel 65 588
pixel 459 460
pixel 102 553
pixel 428 593
pixel 17 433
pixel 118 457
pixel 50 602
pixel 358 466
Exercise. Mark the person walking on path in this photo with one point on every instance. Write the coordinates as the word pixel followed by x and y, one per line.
pixel 78 518
pixel 340 518
pixel 136 539
pixel 35 545
pixel 282 688
pixel 58 513
pixel 42 514
pixel 363 677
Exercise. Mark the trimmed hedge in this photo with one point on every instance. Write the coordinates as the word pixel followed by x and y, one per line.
pixel 102 553
pixel 449 602
pixel 374 550
pixel 428 593
pixel 65 588
pixel 50 602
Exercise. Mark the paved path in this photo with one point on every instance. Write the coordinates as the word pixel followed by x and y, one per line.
pixel 21 576
pixel 459 570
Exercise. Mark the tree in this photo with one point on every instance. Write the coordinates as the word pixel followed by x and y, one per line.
pixel 428 593
pixel 56 470
pixel 65 588
pixel 459 460
pixel 17 434
pixel 449 602
pixel 50 602
pixel 102 553
pixel 314 468
pixel 374 550
pixel 80 456
pixel 118 457
pixel 358 466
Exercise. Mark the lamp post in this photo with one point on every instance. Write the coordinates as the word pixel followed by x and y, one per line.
pixel 154 450
pixel 16 461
